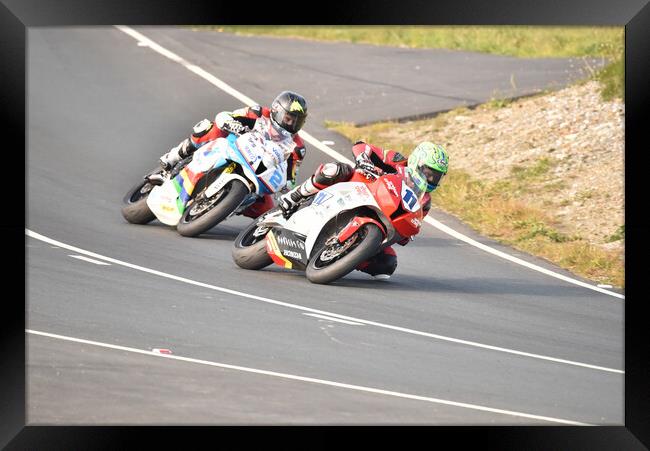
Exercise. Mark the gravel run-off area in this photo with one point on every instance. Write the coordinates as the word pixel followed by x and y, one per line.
pixel 580 135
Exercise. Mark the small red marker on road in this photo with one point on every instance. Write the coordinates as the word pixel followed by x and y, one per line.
pixel 161 351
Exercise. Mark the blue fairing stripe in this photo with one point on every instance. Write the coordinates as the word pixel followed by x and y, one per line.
pixel 231 140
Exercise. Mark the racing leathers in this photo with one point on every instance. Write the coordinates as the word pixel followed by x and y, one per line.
pixel 238 122
pixel 368 157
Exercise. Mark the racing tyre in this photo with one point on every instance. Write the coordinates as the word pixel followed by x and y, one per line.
pixel 134 205
pixel 203 213
pixel 333 261
pixel 249 249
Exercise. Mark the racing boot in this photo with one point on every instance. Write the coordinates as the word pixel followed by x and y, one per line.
pixel 155 179
pixel 381 266
pixel 259 207
pixel 176 154
pixel 326 175
pixel 290 201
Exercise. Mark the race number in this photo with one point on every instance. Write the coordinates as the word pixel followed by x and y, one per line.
pixel 409 199
pixel 277 178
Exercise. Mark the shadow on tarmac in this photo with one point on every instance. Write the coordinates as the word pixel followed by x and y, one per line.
pixel 419 284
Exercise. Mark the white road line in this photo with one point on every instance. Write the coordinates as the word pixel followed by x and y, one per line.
pixel 513 259
pixel 97 262
pixel 329 318
pixel 142 39
pixel 311 379
pixel 307 309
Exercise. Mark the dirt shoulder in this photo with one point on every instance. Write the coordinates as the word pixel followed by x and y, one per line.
pixel 560 155
pixel 581 137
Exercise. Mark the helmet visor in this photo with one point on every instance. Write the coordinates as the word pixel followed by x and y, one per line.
pixel 432 176
pixel 292 122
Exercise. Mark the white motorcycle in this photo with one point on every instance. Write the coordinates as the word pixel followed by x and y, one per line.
pixel 335 230
pixel 222 178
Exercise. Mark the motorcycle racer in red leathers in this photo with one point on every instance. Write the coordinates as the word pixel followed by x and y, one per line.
pixel 425 169
pixel 283 120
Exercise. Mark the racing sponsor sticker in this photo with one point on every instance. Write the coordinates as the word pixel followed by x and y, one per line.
pixel 321 198
pixel 361 191
pixel 292 254
pixel 391 187
pixel 251 148
pixel 290 242
pixel 292 246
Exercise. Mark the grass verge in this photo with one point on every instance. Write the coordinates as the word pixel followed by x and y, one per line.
pixel 493 209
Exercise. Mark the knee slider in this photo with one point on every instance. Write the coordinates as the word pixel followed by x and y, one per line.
pixel 331 173
pixel 379 264
pixel 201 128
pixel 386 264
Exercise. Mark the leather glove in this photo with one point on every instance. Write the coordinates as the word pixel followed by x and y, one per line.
pixel 235 127
pixel 364 163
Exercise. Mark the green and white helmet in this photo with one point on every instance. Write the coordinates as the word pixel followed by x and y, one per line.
pixel 428 163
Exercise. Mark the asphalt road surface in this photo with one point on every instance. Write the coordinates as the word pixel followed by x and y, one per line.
pixel 456 336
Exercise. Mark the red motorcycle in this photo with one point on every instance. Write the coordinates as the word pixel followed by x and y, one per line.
pixel 335 230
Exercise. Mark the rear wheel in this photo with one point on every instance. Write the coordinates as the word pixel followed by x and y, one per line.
pixel 205 213
pixel 134 205
pixel 334 260
pixel 249 249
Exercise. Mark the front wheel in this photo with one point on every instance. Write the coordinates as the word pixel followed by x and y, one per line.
pixel 334 260
pixel 134 205
pixel 249 248
pixel 205 213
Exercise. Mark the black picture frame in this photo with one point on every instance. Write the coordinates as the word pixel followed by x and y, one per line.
pixel 18 15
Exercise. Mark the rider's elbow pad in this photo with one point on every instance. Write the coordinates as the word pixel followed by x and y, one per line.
pixel 201 128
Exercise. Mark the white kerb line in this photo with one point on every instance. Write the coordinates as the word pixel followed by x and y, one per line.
pixel 334 154
pixel 221 85
pixel 308 379
pixel 514 259
pixel 45 239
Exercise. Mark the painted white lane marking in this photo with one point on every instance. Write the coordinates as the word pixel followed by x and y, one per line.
pixel 329 318
pixel 219 84
pixel 310 379
pixel 97 262
pixel 307 309
pixel 468 240
pixel 142 39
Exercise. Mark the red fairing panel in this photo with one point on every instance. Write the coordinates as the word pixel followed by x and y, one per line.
pixel 386 193
pixel 355 225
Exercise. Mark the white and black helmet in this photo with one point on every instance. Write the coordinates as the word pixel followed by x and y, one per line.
pixel 289 111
